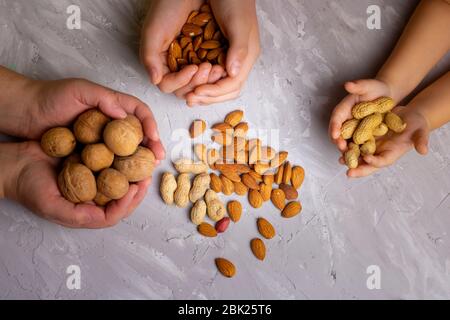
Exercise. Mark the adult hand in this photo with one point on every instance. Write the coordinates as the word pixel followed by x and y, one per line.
pixel 32 181
pixel 60 102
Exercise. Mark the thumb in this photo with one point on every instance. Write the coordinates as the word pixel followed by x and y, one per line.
pixel 420 140
pixel 237 53
pixel 153 65
pixel 362 87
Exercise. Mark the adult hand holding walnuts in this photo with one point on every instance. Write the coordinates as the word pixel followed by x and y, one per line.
pixel 31 176
pixel 203 84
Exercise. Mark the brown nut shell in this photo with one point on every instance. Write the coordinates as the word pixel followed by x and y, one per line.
pixel 88 127
pixel 112 183
pixel 58 142
pixel 77 183
pixel 123 136
pixel 138 166
pixel 97 156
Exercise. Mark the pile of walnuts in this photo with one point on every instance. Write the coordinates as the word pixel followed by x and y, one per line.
pixel 102 157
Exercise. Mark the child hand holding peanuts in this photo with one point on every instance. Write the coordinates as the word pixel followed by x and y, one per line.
pixel 201 84
pixel 423 43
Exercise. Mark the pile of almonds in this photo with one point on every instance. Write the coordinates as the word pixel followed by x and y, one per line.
pixel 242 166
pixel 200 41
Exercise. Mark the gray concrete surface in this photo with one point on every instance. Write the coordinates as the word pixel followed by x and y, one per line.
pixel 397 219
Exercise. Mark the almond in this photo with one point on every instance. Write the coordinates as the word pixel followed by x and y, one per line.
pixel 197 128
pixel 297 176
pixel 278 178
pixel 201 19
pixel 254 155
pixel 225 267
pixel 268 178
pixel 213 54
pixel 267 153
pixel 265 190
pixel 222 127
pixel 233 176
pixel 193 58
pixel 289 191
pixel 210 30
pixel 234 209
pixel 172 63
pixel 222 225
pixel 210 44
pixel 240 188
pixel 201 152
pixel 255 199
pixel 184 41
pixel 191 30
pixel 202 53
pixel 197 42
pixel 287 172
pixel 222 138
pixel 278 198
pixel 227 185
pixel 215 183
pixel 265 228
pixel 186 51
pixel 227 154
pixel 175 49
pixel 234 117
pixel 221 59
pixel 235 167
pixel 206 230
pixel 279 158
pixel 249 181
pixel 212 156
pixel 181 63
pixel 241 128
pixel 291 209
pixel 218 36
pixel 252 143
pixel 258 248
pixel 261 167
pixel 255 175
pixel 239 143
pixel 191 16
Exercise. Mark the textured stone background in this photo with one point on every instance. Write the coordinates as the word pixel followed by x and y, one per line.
pixel 397 219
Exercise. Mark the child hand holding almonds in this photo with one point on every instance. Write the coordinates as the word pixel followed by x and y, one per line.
pixel 430 109
pixel 201 83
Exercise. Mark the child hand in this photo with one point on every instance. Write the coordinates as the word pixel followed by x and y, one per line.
pixel 238 22
pixel 393 146
pixel 33 182
pixel 162 24
pixel 359 90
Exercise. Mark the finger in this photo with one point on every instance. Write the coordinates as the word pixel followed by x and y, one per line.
pixel 420 139
pixel 367 89
pixel 220 88
pixel 94 95
pixel 363 170
pixel 174 81
pixel 381 160
pixel 217 72
pixel 234 19
pixel 72 215
pixel 201 77
pixel 193 100
pixel 140 195
pixel 341 113
pixel 118 209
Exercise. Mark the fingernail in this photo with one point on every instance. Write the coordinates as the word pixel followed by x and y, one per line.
pixel 235 68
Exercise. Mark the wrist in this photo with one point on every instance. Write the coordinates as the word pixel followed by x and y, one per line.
pixel 18 103
pixel 13 160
